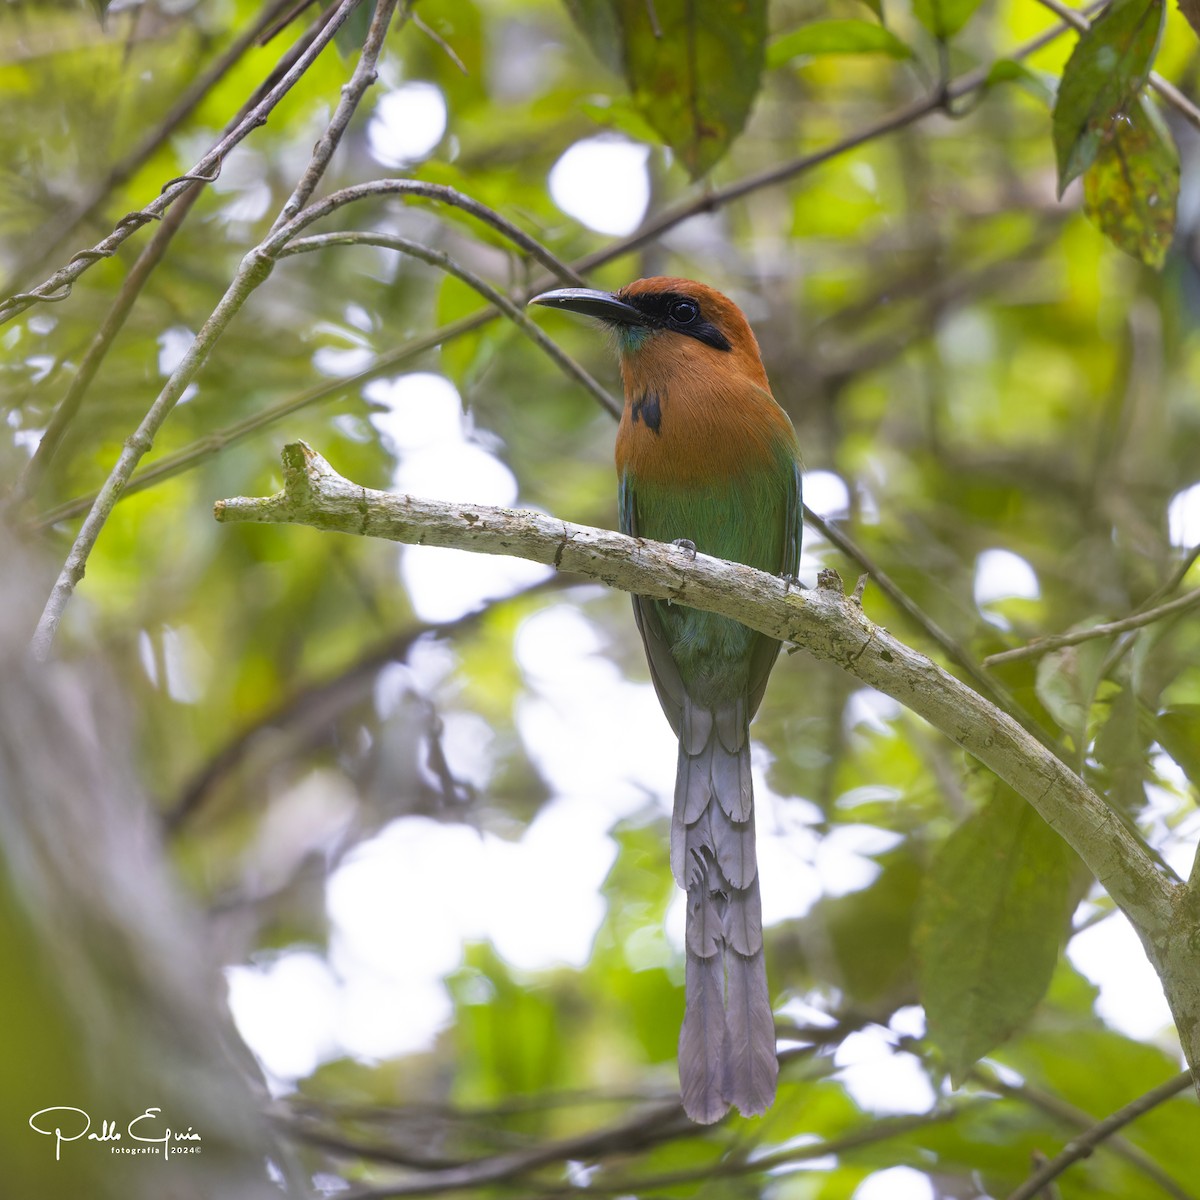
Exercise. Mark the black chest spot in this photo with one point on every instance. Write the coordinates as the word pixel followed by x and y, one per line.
pixel 647 408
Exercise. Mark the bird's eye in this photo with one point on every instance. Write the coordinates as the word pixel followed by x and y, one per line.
pixel 684 312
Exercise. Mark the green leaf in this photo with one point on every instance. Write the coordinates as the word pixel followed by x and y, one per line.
pixel 944 18
pixel 1178 732
pixel 991 919
pixel 1041 85
pixel 1130 190
pixel 835 37
pixel 464 358
pixel 350 37
pixel 1119 748
pixel 1109 66
pixel 1067 680
pixel 693 66
pixel 620 114
pixel 600 23
pixel 870 933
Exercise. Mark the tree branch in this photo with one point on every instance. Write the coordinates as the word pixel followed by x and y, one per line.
pixel 1044 645
pixel 1083 1145
pixel 281 235
pixel 825 622
pixel 634 1135
pixel 1076 1118
pixel 443 261
pixel 152 253
pixel 131 287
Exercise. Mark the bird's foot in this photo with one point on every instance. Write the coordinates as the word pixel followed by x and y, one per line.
pixel 792 581
pixel 688 547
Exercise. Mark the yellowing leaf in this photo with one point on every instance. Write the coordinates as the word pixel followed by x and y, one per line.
pixel 1131 189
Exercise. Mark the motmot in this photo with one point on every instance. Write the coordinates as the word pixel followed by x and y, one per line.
pixel 707 458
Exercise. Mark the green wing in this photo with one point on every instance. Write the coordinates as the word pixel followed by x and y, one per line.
pixel 766 649
pixel 663 671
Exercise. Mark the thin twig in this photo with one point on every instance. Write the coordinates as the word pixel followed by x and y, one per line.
pixel 1083 1145
pixel 43 244
pixel 364 76
pixel 1061 1110
pixel 218 440
pixel 956 653
pixel 644 1128
pixel 443 261
pixel 254 269
pixel 1173 581
pixel 512 1166
pixel 281 235
pixel 1168 91
pixel 441 43
pixel 58 286
pixel 131 287
pixel 1045 645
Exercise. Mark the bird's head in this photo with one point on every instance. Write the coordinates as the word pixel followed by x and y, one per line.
pixel 664 319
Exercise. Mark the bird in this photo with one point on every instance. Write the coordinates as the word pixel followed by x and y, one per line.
pixel 706 458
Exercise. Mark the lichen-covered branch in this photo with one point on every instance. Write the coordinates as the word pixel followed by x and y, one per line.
pixel 824 621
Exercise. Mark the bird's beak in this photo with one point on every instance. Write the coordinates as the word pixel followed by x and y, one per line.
pixel 590 303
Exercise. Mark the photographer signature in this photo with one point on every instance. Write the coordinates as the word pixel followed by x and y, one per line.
pixel 66 1124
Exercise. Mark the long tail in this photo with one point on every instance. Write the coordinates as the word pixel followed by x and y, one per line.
pixel 727 1043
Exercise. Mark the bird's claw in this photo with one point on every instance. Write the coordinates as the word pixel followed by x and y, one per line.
pixel 687 546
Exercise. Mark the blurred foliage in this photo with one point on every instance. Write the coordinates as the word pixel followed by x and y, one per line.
pixel 979 367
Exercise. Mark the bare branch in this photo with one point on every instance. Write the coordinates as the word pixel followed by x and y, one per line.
pixel 825 622
pixel 955 652
pixel 1076 1118
pixel 1083 1145
pixel 1045 645
pixel 364 76
pixel 964 85
pixel 102 340
pixel 443 261
pixel 637 1134
pixel 281 236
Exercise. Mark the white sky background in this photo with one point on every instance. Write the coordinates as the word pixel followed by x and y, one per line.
pixel 381 992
